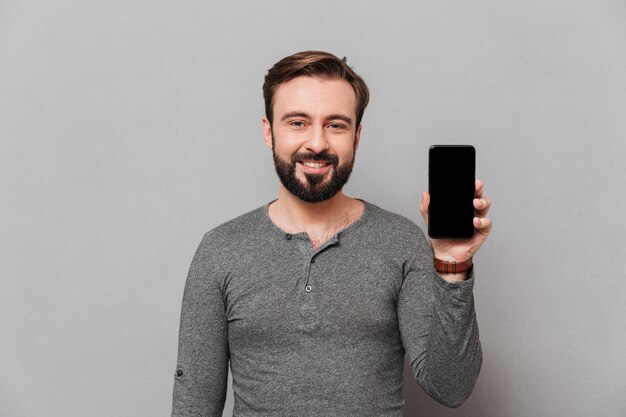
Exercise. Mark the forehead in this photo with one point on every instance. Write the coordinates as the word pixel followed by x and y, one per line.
pixel 315 95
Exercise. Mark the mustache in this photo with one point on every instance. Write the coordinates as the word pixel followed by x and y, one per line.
pixel 321 157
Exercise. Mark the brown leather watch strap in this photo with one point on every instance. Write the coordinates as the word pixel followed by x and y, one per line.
pixel 452 267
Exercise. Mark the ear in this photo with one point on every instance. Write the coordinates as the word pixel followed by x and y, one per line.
pixel 357 138
pixel 267 132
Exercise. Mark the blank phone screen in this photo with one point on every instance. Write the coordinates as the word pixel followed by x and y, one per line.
pixel 451 177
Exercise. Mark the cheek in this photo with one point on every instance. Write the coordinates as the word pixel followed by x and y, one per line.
pixel 286 140
pixel 347 154
pixel 281 147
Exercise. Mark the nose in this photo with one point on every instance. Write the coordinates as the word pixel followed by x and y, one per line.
pixel 317 141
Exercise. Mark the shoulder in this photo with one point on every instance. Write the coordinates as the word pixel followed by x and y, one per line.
pixel 395 233
pixel 390 223
pixel 230 235
pixel 223 245
pixel 240 226
pixel 396 237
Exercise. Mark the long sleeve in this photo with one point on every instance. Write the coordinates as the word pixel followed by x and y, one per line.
pixel 439 330
pixel 202 367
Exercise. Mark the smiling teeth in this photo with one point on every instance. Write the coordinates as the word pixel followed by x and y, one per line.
pixel 314 164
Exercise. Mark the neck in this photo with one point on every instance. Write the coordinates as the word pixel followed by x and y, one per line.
pixel 290 210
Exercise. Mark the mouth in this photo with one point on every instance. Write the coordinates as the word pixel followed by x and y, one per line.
pixel 315 167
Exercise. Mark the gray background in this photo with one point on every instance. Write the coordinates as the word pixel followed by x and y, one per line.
pixel 129 128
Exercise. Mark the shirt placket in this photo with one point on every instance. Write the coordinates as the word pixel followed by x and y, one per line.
pixel 307 288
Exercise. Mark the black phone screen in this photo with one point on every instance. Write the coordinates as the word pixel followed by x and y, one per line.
pixel 451 178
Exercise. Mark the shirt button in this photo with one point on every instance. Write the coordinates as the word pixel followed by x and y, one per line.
pixel 179 372
pixel 288 236
pixel 308 288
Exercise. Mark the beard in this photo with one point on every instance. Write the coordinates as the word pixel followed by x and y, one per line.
pixel 315 189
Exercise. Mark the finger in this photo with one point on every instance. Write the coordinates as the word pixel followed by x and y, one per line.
pixel 482 206
pixel 424 206
pixel 482 225
pixel 479 185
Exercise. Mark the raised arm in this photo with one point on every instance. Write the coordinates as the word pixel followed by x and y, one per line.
pixel 439 330
pixel 436 311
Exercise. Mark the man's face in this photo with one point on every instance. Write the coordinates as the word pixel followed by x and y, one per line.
pixel 313 137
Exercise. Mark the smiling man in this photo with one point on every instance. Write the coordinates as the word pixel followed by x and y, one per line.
pixel 314 298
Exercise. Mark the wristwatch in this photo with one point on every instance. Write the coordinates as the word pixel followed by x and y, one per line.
pixel 452 267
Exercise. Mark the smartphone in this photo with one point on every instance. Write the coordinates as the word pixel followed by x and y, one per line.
pixel 451 184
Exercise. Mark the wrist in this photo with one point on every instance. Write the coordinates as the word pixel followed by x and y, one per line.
pixel 451 266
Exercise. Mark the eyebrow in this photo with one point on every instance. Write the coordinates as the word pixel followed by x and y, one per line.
pixel 346 119
pixel 307 116
pixel 294 114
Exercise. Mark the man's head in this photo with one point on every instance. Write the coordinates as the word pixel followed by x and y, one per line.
pixel 314 105
pixel 313 64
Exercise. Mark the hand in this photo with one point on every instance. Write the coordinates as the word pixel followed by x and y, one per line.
pixel 462 250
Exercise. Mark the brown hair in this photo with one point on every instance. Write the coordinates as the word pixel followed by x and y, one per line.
pixel 313 64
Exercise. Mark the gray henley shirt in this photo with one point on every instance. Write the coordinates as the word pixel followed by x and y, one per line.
pixel 321 332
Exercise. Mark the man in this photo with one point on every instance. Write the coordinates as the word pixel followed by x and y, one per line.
pixel 315 297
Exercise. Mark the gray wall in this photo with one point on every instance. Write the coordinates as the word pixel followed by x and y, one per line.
pixel 129 128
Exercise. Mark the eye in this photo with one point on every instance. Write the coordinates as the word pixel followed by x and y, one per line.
pixel 336 126
pixel 298 124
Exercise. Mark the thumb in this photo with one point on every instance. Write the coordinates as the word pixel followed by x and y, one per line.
pixel 424 206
